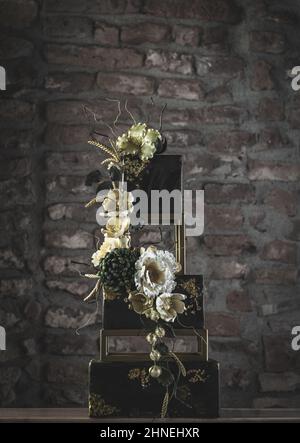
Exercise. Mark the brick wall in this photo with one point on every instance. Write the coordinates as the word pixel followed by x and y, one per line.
pixel 221 66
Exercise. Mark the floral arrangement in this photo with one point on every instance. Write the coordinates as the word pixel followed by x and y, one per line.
pixel 143 277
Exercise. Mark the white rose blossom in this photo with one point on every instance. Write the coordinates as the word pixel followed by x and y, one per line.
pixel 107 246
pixel 169 305
pixel 155 272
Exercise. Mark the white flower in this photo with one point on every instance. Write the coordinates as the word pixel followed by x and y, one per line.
pixel 169 305
pixel 155 272
pixel 118 202
pixel 117 226
pixel 108 245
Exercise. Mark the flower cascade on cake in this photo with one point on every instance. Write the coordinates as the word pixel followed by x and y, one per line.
pixel 144 278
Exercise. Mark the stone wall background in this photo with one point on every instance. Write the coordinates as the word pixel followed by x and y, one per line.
pixel 221 66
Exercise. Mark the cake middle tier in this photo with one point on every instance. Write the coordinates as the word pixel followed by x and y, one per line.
pixel 117 315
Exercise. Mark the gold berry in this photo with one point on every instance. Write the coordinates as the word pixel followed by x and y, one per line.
pixel 151 338
pixel 154 355
pixel 155 371
pixel 160 332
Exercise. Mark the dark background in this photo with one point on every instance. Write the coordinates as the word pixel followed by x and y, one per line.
pixel 222 68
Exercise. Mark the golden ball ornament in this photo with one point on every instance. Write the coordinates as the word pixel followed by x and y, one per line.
pixel 154 355
pixel 155 371
pixel 160 332
pixel 151 338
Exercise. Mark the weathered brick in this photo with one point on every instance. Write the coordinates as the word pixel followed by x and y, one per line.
pixel 222 325
pixel 17 287
pixel 58 372
pixel 186 35
pixel 221 245
pixel 74 28
pixel 10 260
pixel 199 166
pixel 17 141
pixel 106 59
pixel 265 41
pixel 83 345
pixel 220 66
pixel 273 171
pixel 20 167
pixel 215 39
pixel 106 34
pixel 17 192
pixel 294 118
pixel 71 82
pixel 68 187
pixel 281 16
pixel 33 310
pixel 66 266
pixel 273 138
pixel 282 201
pixel 270 110
pixel 170 62
pixel 239 301
pixel 278 353
pixel 126 84
pixel 222 193
pixel 231 142
pixel 276 276
pixel 13 48
pixel 71 211
pixel 278 250
pixel 17 13
pixel 295 234
pixel 182 89
pixel 183 138
pixel 68 318
pixel 219 115
pixel 207 10
pixel 223 219
pixel 11 109
pixel 286 382
pixel 69 6
pixel 80 287
pixel 94 6
pixel 73 161
pixel 221 93
pixel 262 76
pixel 228 270
pixel 66 135
pixel 142 33
pixel 69 239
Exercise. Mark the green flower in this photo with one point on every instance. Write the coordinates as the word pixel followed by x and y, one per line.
pixel 139 140
pixel 127 145
pixel 137 132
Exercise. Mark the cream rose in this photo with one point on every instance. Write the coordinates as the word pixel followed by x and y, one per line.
pixel 108 245
pixel 169 305
pixel 155 272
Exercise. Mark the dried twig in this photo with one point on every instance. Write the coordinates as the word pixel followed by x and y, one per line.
pixel 161 117
pixel 127 110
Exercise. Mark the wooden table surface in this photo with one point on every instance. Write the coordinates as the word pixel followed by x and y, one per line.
pixel 77 415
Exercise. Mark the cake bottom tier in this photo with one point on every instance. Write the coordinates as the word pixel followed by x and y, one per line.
pixel 125 389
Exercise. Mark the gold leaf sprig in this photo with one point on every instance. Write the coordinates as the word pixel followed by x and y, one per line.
pixel 165 404
pixel 110 151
